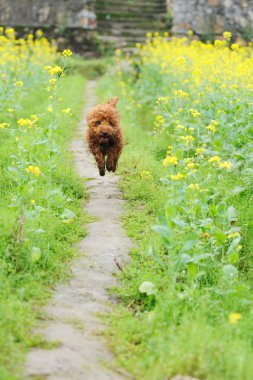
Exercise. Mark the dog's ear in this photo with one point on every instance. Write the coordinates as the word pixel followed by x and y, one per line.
pixel 113 101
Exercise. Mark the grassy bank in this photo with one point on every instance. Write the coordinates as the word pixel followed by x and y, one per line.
pixel 41 196
pixel 186 303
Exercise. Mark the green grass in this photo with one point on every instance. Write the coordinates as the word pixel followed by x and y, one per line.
pixel 183 327
pixel 25 286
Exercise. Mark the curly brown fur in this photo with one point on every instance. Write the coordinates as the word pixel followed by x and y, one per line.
pixel 104 135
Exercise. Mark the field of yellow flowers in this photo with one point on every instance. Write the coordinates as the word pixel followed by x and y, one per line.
pixel 39 194
pixel 187 299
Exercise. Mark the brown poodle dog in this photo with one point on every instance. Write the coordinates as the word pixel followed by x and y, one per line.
pixel 104 135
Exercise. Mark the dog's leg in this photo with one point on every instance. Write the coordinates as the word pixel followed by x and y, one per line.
pixel 100 162
pixel 112 158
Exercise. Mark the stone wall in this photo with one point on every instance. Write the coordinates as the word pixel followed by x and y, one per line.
pixel 71 22
pixel 47 13
pixel 213 17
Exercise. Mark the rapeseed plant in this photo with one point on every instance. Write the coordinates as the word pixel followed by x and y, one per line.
pixel 196 98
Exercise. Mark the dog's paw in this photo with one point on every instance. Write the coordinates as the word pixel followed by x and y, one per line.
pixel 102 172
pixel 109 168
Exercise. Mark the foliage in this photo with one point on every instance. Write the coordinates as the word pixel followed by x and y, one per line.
pixel 41 198
pixel 199 98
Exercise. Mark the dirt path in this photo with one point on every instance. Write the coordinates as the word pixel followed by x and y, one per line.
pixel 82 353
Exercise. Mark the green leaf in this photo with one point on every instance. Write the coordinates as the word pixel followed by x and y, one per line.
pixel 185 259
pixel 234 244
pixel 147 288
pixel 237 190
pixel 191 271
pixel 190 240
pixel 35 254
pixel 233 258
pixel 230 272
pixel 179 222
pixel 221 208
pixel 232 214
pixel 220 236
pixel 68 214
pixel 162 230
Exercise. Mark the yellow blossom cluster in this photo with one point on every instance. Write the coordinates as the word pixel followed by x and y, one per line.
pixel 54 70
pixel 170 160
pixel 15 53
pixel 67 53
pixel 177 177
pixel 33 170
pixel 145 174
pixel 234 318
pixel 28 123
pixel 159 123
pixel 216 160
pixel 212 126
pixel 67 111
pixel 4 125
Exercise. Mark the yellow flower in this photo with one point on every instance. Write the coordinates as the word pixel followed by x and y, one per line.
pixel 211 128
pixel 67 221
pixel 234 318
pixel 25 123
pixel 10 33
pixel 4 125
pixel 191 165
pixel 39 33
pixel 10 110
pixel 145 174
pixel 214 159
pixel 67 53
pixel 50 108
pixel 159 122
pixel 227 35
pixel 181 93
pixel 235 46
pixel 118 52
pixel 33 170
pixel 200 151
pixel 190 33
pixel 194 186
pixel 177 177
pixel 52 81
pixel 19 83
pixel 179 126
pixel 181 61
pixel 162 100
pixel 225 165
pixel 194 113
pixel 218 43
pixel 170 160
pixel 187 140
pixel 67 111
pixel 149 35
pixel 233 235
pixel 32 201
pixel 54 70
pixel 34 118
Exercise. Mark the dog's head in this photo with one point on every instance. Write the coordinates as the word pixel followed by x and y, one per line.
pixel 104 120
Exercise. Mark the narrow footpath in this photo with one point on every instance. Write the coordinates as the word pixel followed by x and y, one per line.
pixel 72 313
